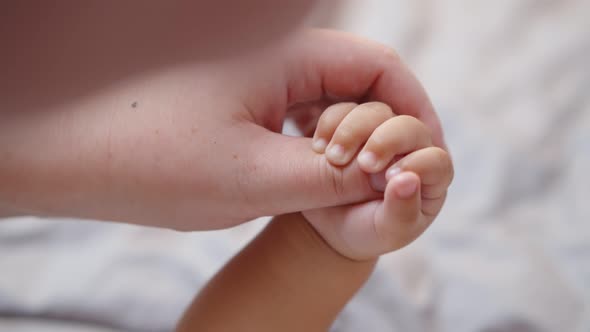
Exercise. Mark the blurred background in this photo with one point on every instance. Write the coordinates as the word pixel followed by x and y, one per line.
pixel 510 252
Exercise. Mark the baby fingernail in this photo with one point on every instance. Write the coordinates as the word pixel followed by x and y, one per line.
pixel 336 153
pixel 367 159
pixel 405 185
pixel 393 171
pixel 319 145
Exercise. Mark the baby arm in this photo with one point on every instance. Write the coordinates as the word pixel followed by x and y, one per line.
pixel 287 279
pixel 299 273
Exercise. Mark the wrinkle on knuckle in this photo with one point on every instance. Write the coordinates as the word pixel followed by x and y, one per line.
pixel 443 161
pixel 376 107
pixel 379 145
pixel 405 119
pixel 432 192
pixel 328 119
pixel 333 177
pixel 394 238
pixel 345 133
pixel 391 54
pixel 431 207
pixel 450 169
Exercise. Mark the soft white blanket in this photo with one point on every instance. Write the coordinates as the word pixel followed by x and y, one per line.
pixel 510 252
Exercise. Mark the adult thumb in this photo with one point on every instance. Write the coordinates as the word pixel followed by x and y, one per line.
pixel 285 175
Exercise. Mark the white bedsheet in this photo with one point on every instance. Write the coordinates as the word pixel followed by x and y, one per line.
pixel 510 252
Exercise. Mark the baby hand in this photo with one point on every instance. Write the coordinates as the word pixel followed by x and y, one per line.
pixel 399 154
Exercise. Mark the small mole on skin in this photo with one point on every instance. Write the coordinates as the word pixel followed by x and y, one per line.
pixel 134 104
pixel 157 131
pixel 235 156
pixel 194 130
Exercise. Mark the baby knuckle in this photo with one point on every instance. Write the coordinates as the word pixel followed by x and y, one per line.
pixel 395 235
pixel 326 119
pixel 408 120
pixel 376 107
pixel 346 133
pixel 391 54
pixel 398 238
pixel 443 161
pixel 329 117
pixel 345 105
pixel 415 125
pixel 378 142
pixel 334 112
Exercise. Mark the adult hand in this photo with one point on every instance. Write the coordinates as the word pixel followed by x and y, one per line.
pixel 197 146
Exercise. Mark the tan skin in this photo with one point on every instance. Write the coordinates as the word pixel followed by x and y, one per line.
pixel 287 279
pixel 300 272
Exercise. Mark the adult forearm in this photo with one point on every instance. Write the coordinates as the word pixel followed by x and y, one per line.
pixel 7 211
pixel 52 52
pixel 136 153
pixel 51 162
pixel 97 158
pixel 287 279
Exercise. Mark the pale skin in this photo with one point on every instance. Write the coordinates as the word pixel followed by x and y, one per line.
pixel 64 49
pixel 298 274
pixel 174 148
pixel 69 71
